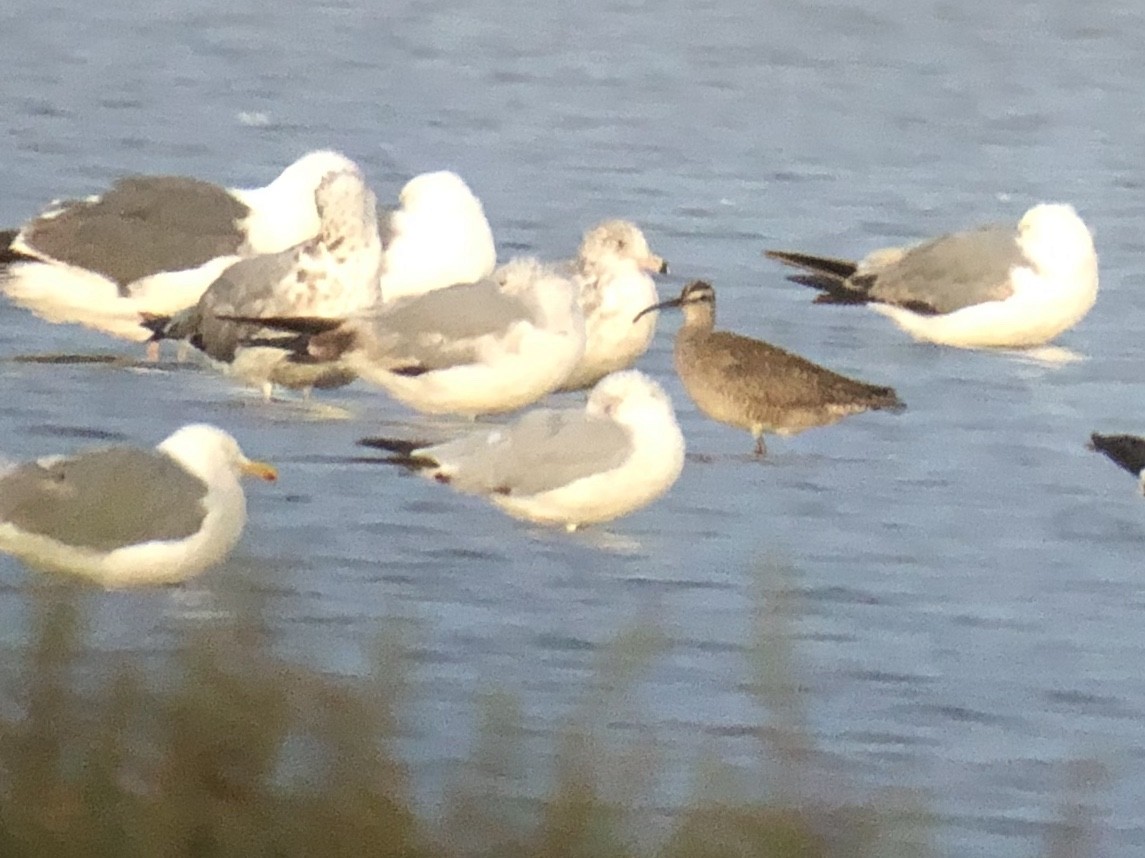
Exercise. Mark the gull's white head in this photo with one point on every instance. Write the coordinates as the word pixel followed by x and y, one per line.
pixel 440 193
pixel 210 454
pixel 346 205
pixel 1055 239
pixel 440 237
pixel 518 273
pixel 282 214
pixel 629 397
pixel 619 239
pixel 303 176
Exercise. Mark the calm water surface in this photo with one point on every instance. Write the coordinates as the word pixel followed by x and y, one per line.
pixel 962 582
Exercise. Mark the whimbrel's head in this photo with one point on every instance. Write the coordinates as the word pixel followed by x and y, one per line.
pixel 698 301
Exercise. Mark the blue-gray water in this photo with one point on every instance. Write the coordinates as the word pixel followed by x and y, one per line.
pixel 965 580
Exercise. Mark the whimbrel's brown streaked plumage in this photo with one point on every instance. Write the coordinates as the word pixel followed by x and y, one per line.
pixel 756 386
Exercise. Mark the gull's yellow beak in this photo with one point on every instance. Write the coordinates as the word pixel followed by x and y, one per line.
pixel 261 470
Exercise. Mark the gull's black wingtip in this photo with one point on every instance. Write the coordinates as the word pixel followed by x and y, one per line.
pixel 403 452
pixel 7 254
pixel 392 445
pixel 1127 451
pixel 312 325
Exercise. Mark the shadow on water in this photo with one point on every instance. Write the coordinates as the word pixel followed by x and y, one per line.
pixel 239 751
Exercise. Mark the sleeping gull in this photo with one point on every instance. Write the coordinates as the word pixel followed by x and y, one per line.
pixel 612 270
pixel 475 348
pixel 125 516
pixel 989 287
pixel 756 386
pixel 567 467
pixel 153 244
pixel 438 236
pixel 1128 451
pixel 331 275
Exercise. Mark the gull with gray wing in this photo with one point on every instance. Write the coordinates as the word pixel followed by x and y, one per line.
pixel 436 237
pixel 474 348
pixel 124 516
pixel 992 287
pixel 331 275
pixel 569 467
pixel 756 386
pixel 153 244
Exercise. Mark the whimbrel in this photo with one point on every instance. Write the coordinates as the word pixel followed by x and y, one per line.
pixel 567 467
pixel 756 386
pixel 992 287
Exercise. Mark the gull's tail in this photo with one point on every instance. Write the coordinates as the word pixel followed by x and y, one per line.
pixel 312 325
pixel 7 254
pixel 832 277
pixel 319 339
pixel 1128 451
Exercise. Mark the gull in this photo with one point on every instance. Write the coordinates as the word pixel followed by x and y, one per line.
pixel 332 274
pixel 1128 451
pixel 470 349
pixel 756 386
pixel 125 516
pixel 992 287
pixel 153 244
pixel 567 467
pixel 438 236
pixel 612 270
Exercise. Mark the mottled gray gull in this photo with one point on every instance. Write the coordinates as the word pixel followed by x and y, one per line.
pixel 125 516
pixel 569 467
pixel 756 386
pixel 153 244
pixel 331 275
pixel 995 286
